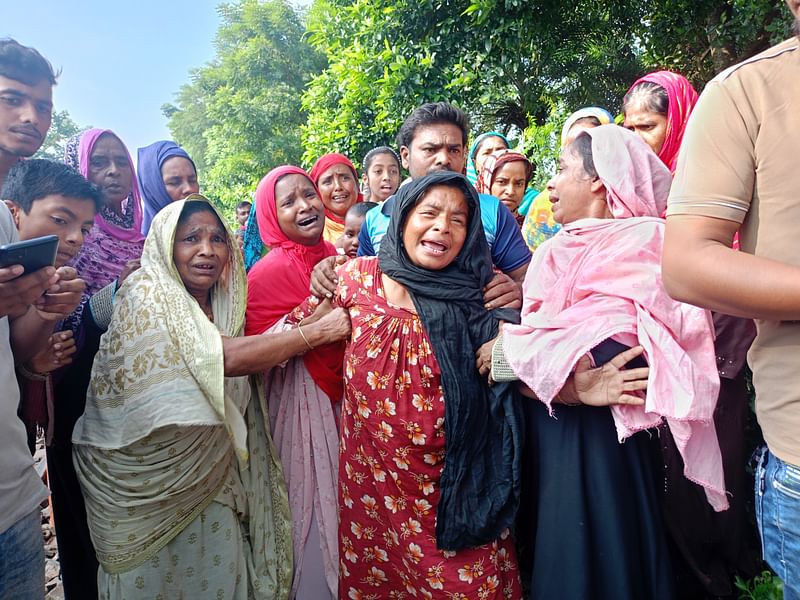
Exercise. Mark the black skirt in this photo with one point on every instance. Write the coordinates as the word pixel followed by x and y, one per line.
pixel 595 528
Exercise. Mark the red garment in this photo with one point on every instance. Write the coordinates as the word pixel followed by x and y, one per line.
pixel 280 281
pixel 392 455
pixel 324 163
pixel 682 98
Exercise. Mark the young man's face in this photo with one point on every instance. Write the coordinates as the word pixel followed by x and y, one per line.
pixel 70 219
pixel 25 115
pixel 242 214
pixel 435 147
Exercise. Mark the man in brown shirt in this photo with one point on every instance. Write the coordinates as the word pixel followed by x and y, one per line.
pixel 738 171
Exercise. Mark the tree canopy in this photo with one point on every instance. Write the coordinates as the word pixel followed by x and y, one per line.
pixel 287 86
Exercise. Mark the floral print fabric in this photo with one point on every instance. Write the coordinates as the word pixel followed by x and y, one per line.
pixel 392 455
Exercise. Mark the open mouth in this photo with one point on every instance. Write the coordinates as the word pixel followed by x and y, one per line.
pixel 340 198
pixel 205 267
pixel 434 247
pixel 307 221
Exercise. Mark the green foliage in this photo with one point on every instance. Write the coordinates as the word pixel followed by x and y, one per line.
pixel 61 129
pixel 542 144
pixel 766 586
pixel 241 115
pixel 700 38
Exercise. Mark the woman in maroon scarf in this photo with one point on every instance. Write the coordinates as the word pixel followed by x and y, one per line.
pixel 302 394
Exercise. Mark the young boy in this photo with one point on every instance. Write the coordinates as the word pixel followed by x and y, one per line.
pixel 49 198
pixel 352 227
pixel 243 212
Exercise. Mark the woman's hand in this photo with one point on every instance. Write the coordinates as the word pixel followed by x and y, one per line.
pixel 323 277
pixel 59 351
pixel 610 384
pixel 483 357
pixel 332 327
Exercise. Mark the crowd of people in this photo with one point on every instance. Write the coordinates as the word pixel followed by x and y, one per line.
pixel 450 386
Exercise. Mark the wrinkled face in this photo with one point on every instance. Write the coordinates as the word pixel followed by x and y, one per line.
pixel 242 214
pixel 110 169
pixel 301 215
pixel 571 189
pixel 486 147
pixel 352 227
pixel 179 177
pixel 200 252
pixel 509 184
pixel 436 147
pixel 71 219
pixel 382 177
pixel 650 126
pixel 25 114
pixel 338 189
pixel 435 230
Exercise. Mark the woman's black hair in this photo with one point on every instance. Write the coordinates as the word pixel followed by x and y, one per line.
pixel 650 95
pixel 192 207
pixel 370 156
pixel 582 146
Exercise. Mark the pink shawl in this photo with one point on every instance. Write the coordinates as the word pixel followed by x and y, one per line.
pixel 601 278
pixel 682 98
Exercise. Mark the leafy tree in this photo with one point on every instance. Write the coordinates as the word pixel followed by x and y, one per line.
pixel 241 114
pixel 61 129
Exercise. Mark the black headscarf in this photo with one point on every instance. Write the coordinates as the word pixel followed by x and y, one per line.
pixel 481 478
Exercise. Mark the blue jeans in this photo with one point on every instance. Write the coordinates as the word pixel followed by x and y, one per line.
pixel 778 513
pixel 22 559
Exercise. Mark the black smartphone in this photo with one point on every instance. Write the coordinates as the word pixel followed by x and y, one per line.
pixel 32 254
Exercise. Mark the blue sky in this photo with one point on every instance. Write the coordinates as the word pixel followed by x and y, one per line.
pixel 120 61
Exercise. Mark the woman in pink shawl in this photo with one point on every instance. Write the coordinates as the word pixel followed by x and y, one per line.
pixel 591 291
pixel 109 252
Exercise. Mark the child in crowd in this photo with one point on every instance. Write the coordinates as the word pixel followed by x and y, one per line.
pixel 49 198
pixel 243 213
pixel 381 174
pixel 353 220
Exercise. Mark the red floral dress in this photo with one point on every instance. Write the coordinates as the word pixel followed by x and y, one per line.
pixel 392 454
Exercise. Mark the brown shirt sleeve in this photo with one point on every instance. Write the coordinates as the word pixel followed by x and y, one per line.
pixel 716 167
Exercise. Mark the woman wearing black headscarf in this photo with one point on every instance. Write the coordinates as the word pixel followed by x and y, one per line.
pixel 430 464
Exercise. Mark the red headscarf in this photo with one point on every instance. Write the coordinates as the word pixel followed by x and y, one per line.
pixel 682 98
pixel 279 282
pixel 326 162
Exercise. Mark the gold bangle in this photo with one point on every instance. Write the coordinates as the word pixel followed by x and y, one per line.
pixel 305 339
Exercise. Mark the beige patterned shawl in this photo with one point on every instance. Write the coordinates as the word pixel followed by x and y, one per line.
pixel 163 427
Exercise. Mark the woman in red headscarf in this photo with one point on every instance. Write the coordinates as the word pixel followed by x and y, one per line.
pixel 337 181
pixel 713 547
pixel 303 393
pixel 657 108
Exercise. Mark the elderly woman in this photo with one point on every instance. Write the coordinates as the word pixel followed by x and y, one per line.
pixel 429 471
pixel 505 174
pixel 166 174
pixel 539 225
pixel 593 290
pixel 337 181
pixel 305 392
pixel 184 492
pixel 109 252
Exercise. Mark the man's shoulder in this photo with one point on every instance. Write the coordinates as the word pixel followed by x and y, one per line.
pixel 769 59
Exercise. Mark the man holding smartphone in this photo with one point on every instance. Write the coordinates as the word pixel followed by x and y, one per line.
pixel 30 304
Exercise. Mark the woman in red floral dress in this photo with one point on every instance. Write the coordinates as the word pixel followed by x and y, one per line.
pixel 429 464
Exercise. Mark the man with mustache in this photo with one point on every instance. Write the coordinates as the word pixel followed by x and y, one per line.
pixel 434 138
pixel 737 171
pixel 26 102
